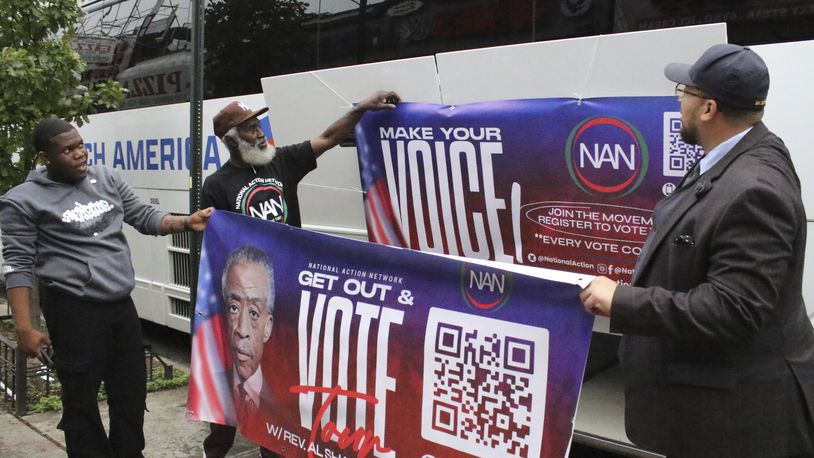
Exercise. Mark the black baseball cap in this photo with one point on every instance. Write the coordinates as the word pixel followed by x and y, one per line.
pixel 732 74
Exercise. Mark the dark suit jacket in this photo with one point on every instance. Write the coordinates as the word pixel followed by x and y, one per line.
pixel 718 353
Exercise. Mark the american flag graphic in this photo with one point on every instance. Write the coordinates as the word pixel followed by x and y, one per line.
pixel 209 397
pixel 382 223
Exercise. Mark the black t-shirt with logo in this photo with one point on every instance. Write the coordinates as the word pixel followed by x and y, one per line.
pixel 268 192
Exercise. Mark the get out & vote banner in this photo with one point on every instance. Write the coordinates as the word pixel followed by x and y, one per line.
pixel 326 347
pixel 559 183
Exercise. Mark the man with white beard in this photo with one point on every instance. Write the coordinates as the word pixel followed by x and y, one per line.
pixel 261 181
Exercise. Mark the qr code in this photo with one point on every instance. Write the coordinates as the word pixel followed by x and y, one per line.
pixel 678 156
pixel 484 385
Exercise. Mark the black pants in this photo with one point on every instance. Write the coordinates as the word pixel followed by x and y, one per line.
pixel 95 342
pixel 220 440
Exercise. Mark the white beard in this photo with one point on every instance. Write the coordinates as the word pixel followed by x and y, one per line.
pixel 253 155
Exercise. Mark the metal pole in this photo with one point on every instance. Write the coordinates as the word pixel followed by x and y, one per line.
pixel 360 50
pixel 20 382
pixel 195 144
pixel 534 20
pixel 319 24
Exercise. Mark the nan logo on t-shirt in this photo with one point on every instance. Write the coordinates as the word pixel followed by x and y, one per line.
pixel 263 198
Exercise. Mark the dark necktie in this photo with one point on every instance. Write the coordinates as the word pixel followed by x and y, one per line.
pixel 695 172
pixel 247 409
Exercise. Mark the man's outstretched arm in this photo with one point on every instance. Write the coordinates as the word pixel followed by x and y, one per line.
pixel 343 127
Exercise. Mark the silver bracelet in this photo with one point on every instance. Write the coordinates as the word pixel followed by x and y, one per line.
pixel 187 227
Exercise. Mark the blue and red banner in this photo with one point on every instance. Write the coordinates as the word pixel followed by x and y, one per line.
pixel 319 346
pixel 565 184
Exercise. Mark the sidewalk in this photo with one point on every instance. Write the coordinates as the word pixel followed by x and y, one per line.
pixel 166 431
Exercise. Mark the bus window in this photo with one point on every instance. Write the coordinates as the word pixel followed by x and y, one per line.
pixel 146 44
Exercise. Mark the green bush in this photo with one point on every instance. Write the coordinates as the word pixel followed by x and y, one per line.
pixel 48 403
pixel 158 383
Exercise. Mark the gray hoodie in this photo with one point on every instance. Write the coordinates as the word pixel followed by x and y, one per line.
pixel 71 234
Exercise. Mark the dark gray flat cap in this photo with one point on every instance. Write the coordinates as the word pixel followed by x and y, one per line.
pixel 729 73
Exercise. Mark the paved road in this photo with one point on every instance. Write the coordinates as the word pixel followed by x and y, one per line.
pixel 167 432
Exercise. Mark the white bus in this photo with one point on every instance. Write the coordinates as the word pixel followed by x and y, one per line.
pixel 145 45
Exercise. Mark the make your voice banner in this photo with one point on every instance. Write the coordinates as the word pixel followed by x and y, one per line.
pixel 320 346
pixel 564 184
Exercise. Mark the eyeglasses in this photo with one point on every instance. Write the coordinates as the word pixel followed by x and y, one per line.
pixel 681 91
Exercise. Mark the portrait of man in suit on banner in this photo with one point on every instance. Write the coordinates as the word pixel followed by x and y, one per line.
pixel 248 307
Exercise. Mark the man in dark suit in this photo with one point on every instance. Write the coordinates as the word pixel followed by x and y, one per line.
pixel 717 352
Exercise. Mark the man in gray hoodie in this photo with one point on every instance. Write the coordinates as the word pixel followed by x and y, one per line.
pixel 64 223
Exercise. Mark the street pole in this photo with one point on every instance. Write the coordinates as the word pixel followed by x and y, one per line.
pixel 360 49
pixel 195 146
pixel 20 382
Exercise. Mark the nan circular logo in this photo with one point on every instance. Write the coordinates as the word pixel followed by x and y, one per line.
pixel 606 156
pixel 484 288
pixel 263 198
